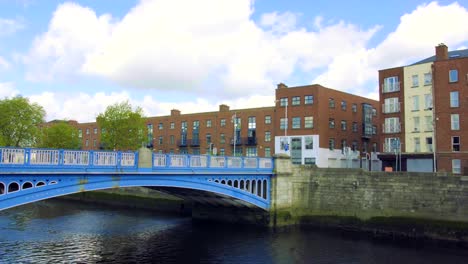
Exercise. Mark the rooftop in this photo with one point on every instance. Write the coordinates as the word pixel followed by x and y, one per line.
pixel 455 54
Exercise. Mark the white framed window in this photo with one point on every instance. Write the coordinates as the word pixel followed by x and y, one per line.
pixel 415 80
pixel 308 99
pixel 455 143
pixel 284 101
pixel 428 126
pixel 427 78
pixel 456 166
pixel 296 122
pixel 283 123
pixel 454 99
pixel 453 76
pixel 391 84
pixel 417 144
pixel 429 144
pixel 308 122
pixel 428 101
pixel 455 121
pixel 267 119
pixel 416 124
pixel 343 125
pixel 391 105
pixel 296 100
pixel 391 144
pixel 392 125
pixel 416 103
pixel 267 136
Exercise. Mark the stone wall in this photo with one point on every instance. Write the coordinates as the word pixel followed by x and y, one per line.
pixel 307 194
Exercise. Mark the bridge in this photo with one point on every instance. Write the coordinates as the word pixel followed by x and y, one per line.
pixel 28 175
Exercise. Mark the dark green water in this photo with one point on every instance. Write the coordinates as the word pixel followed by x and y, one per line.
pixel 69 232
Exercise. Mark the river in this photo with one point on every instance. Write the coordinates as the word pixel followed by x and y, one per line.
pixel 57 231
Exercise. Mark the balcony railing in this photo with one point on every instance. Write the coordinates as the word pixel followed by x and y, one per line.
pixel 391 128
pixel 194 142
pixel 391 108
pixel 250 141
pixel 238 141
pixel 182 143
pixel 390 87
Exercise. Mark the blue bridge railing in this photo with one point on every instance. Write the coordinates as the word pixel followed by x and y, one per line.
pixel 19 159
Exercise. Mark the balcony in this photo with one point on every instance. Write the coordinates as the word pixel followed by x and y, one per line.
pixel 182 143
pixel 238 141
pixel 390 87
pixel 250 141
pixel 391 108
pixel 194 142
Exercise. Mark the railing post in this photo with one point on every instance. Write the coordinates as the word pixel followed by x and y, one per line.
pixel 208 161
pixel 168 160
pixel 91 158
pixel 27 157
pixel 60 157
pixel 118 162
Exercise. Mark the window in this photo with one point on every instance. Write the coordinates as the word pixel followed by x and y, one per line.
pixel 309 142
pixel 208 138
pixel 374 112
pixel 331 123
pixel 355 127
pixel 428 123
pixel 343 105
pixel 354 108
pixel 417 144
pixel 416 123
pixel 95 131
pixel 172 140
pixel 222 138
pixel 374 147
pixel 251 152
pixel 428 101
pixel 267 136
pixel 391 84
pixel 391 105
pixel 392 125
pixel 455 121
pixel 453 76
pixel 172 125
pixel 283 123
pixel 267 152
pixel 87 131
pixel 391 144
pixel 160 140
pixel 331 103
pixel 456 143
pixel 308 99
pixel 208 123
pixel 222 152
pixel 331 143
pixel 456 166
pixel 354 145
pixel 196 124
pixel 343 125
pixel 374 130
pixel 429 144
pixel 223 122
pixel 94 143
pixel 267 119
pixel 427 78
pixel 364 146
pixel 80 133
pixel 252 122
pixel 196 151
pixel 454 99
pixel 416 103
pixel 160 126
pixel 87 143
pixel 183 126
pixel 308 122
pixel 296 100
pixel 296 122
pixel 284 101
pixel 343 144
pixel 415 80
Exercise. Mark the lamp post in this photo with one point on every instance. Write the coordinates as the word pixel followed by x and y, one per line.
pixel 234 124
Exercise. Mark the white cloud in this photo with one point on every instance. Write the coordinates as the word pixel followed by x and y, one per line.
pixel 213 49
pixel 7 90
pixel 10 26
pixel 4 64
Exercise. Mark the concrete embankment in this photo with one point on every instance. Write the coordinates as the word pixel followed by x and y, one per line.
pixel 411 205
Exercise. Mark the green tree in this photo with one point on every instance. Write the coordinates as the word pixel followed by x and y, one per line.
pixel 122 128
pixel 60 135
pixel 19 122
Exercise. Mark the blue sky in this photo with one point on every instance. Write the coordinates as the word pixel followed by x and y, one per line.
pixel 76 58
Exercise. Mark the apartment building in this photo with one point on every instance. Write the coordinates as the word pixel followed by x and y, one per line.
pixel 410 95
pixel 313 124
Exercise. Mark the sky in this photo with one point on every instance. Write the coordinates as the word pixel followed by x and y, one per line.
pixel 75 58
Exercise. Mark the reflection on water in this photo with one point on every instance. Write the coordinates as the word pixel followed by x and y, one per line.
pixel 57 231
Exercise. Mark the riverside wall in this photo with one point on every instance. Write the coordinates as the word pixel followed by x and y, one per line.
pixel 424 205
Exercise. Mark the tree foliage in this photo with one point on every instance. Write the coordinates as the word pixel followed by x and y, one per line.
pixel 60 135
pixel 19 122
pixel 122 128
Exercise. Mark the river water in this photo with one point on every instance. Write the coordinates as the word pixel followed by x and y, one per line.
pixel 56 231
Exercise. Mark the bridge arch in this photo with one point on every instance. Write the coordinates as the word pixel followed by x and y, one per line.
pixel 27 185
pixel 13 187
pixel 2 188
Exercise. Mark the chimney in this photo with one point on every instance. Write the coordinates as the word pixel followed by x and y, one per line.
pixel 175 112
pixel 441 52
pixel 282 85
pixel 223 108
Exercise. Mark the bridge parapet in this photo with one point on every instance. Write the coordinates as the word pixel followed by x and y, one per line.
pixel 20 159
